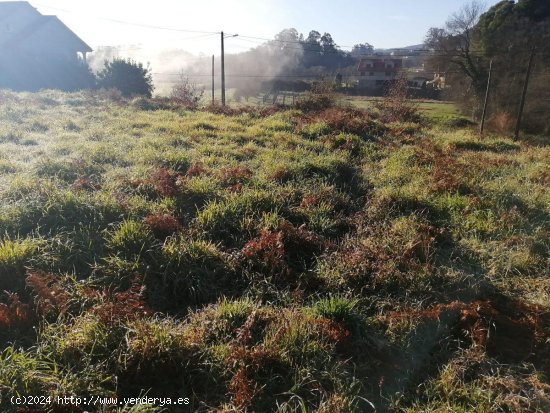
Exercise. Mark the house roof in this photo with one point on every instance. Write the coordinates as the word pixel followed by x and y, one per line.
pixel 36 28
pixel 54 20
pixel 7 6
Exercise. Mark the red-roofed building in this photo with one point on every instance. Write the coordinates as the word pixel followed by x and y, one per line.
pixel 377 71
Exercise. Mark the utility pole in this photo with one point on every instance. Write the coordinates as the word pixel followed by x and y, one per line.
pixel 223 72
pixel 223 67
pixel 212 79
pixel 524 93
pixel 482 126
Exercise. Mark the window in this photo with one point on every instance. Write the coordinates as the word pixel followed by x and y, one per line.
pixel 371 74
pixel 388 74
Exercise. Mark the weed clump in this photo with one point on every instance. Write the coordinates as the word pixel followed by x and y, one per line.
pixel 353 121
pixel 283 257
pixel 131 239
pixel 51 296
pixel 191 272
pixel 14 257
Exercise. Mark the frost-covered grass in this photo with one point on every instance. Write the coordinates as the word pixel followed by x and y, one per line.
pixel 275 261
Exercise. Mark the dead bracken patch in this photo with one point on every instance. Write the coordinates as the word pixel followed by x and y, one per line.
pixel 85 184
pixel 15 314
pixel 196 169
pixel 346 120
pixel 163 225
pixel 283 251
pixel 164 182
pixel 506 329
pixel 50 296
pixel 115 306
pixel 235 175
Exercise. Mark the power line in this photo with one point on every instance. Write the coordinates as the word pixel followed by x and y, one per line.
pixel 267 41
pixel 147 26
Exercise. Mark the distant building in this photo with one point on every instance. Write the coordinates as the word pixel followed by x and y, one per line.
pixel 438 82
pixel 23 30
pixel 418 82
pixel 376 72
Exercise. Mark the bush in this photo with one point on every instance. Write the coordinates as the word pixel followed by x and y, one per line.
pixel 187 92
pixel 355 121
pixel 396 107
pixel 321 96
pixel 128 76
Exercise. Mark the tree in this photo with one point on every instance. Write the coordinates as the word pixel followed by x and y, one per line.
pixel 505 34
pixel 454 53
pixel 327 43
pixel 453 46
pixel 128 76
pixel 314 39
pixel 535 10
pixel 288 37
pixel 312 49
pixel 362 49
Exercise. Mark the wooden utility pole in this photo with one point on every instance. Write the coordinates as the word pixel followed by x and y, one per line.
pixel 223 72
pixel 213 79
pixel 482 125
pixel 524 93
pixel 223 67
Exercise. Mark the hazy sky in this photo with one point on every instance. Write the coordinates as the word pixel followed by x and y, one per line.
pixel 383 23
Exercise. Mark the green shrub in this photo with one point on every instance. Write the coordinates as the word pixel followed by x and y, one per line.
pixel 84 340
pixel 128 76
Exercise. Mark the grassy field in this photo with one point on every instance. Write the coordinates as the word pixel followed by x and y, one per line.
pixel 269 260
pixel 436 111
